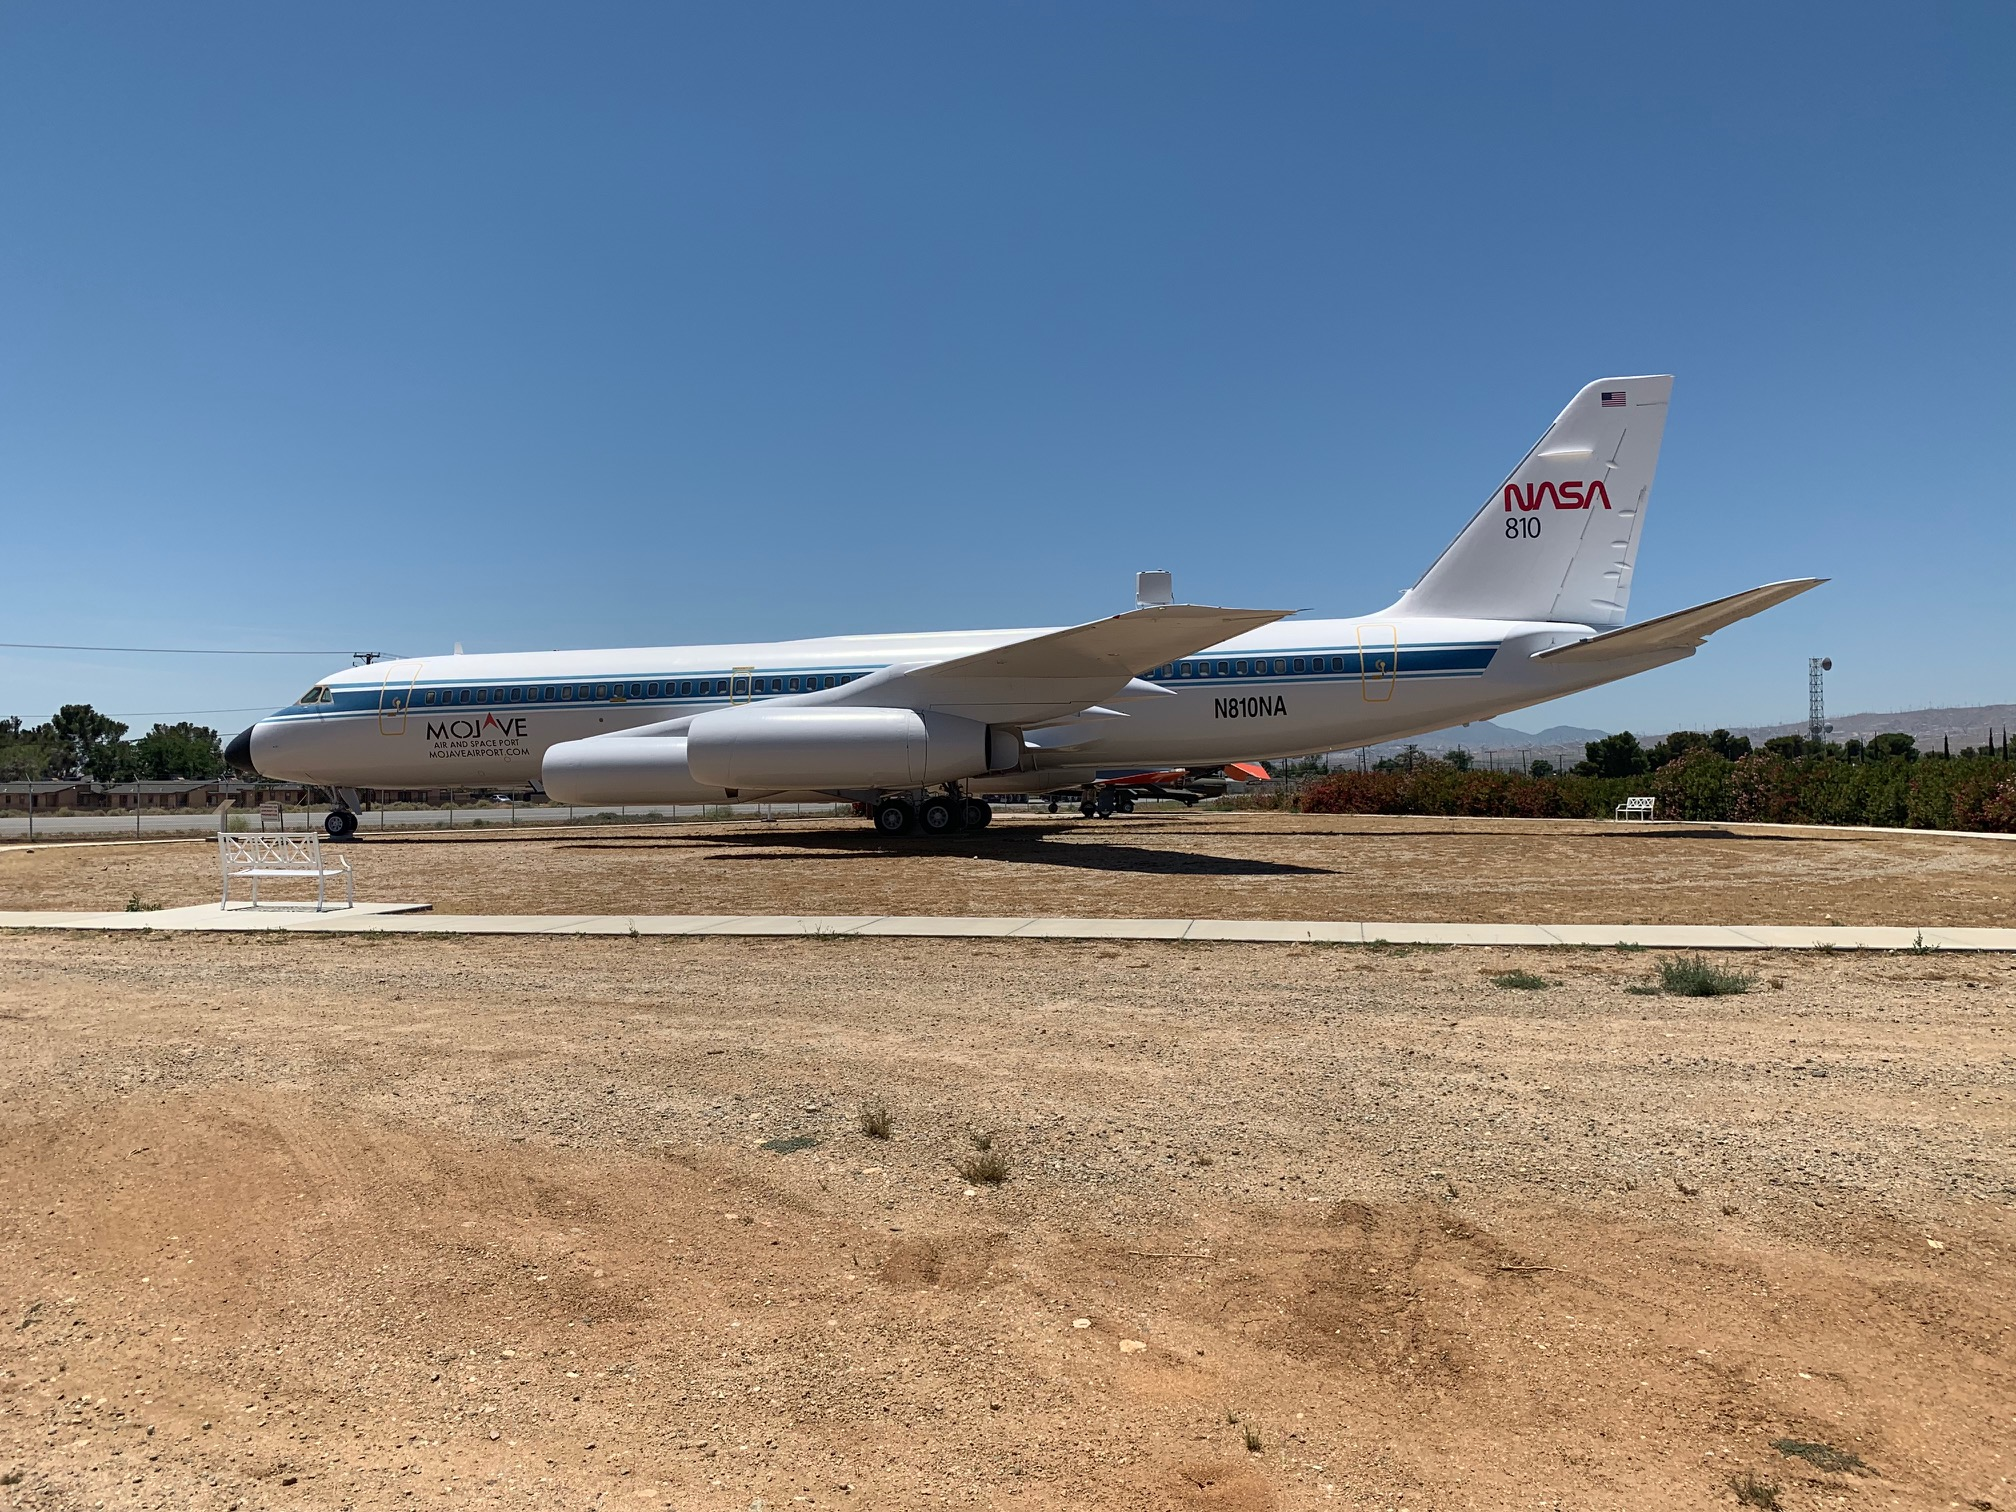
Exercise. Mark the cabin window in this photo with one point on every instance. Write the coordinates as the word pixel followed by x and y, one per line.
pixel 1225 669
pixel 720 686
pixel 430 695
pixel 1299 667
pixel 1280 665
pixel 567 693
pixel 601 690
pixel 831 681
pixel 636 690
pixel 1238 669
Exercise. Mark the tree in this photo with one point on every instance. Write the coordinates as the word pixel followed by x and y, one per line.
pixel 1893 747
pixel 1617 755
pixel 1459 759
pixel 26 753
pixel 1541 769
pixel 88 743
pixel 168 752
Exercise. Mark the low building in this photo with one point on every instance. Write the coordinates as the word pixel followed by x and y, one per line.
pixel 160 795
pixel 59 793
pixel 249 795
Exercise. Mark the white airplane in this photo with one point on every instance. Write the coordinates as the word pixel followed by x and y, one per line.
pixel 1526 604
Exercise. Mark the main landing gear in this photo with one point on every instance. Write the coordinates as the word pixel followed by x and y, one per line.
pixel 940 814
pixel 1105 803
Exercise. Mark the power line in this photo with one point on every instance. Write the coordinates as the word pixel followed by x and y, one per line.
pixel 169 650
pixel 156 713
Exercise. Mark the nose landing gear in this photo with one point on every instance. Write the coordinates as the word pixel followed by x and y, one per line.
pixel 340 824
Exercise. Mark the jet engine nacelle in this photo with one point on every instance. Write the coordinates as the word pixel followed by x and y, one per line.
pixel 842 748
pixel 622 769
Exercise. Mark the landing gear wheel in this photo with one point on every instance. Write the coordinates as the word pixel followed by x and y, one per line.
pixel 1053 805
pixel 1126 805
pixel 1085 807
pixel 941 816
pixel 893 817
pixel 340 824
pixel 1104 803
pixel 979 813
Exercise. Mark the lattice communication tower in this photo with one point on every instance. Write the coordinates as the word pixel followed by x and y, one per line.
pixel 1816 697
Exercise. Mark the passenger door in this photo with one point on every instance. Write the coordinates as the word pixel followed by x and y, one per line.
pixel 1378 661
pixel 393 700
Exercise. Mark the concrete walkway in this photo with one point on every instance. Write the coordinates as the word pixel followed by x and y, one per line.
pixel 412 918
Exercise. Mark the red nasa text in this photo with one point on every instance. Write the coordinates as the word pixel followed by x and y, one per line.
pixel 1570 495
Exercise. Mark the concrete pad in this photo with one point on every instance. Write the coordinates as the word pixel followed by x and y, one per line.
pixel 930 926
pixel 410 918
pixel 1793 937
pixel 1456 934
pixel 792 924
pixel 1102 929
pixel 1651 936
pixel 1287 931
pixel 1971 939
pixel 680 924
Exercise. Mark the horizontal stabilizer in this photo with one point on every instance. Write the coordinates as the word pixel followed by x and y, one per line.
pixel 1682 631
pixel 1119 647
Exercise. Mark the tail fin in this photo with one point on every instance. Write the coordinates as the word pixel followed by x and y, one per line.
pixel 1559 538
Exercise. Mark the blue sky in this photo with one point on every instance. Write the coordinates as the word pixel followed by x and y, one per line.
pixel 532 326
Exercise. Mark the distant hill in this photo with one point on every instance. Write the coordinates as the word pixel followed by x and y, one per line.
pixel 1961 726
pixel 1489 735
pixel 1964 727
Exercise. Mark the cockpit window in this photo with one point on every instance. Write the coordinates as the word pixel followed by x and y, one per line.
pixel 319 694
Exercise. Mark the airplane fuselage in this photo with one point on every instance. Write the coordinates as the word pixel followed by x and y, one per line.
pixel 1284 690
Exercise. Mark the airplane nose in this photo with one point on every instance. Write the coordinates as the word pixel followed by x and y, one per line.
pixel 238 754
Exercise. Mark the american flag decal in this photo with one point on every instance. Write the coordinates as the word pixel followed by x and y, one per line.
pixel 1613 399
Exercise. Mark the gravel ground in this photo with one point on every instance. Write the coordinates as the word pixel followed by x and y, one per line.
pixel 376 1222
pixel 1161 865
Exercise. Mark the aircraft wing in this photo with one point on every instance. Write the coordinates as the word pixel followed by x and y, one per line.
pixel 1121 646
pixel 1060 673
pixel 1679 632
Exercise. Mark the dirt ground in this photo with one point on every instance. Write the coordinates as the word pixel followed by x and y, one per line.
pixel 381 1222
pixel 1161 865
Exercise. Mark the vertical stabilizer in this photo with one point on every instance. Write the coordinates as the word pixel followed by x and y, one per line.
pixel 1558 538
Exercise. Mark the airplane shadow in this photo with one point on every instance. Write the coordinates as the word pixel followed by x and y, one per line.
pixel 1024 845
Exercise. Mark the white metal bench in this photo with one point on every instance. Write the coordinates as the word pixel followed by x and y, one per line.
pixel 259 858
pixel 1637 808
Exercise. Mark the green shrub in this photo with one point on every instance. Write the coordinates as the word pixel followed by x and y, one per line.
pixel 1694 976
